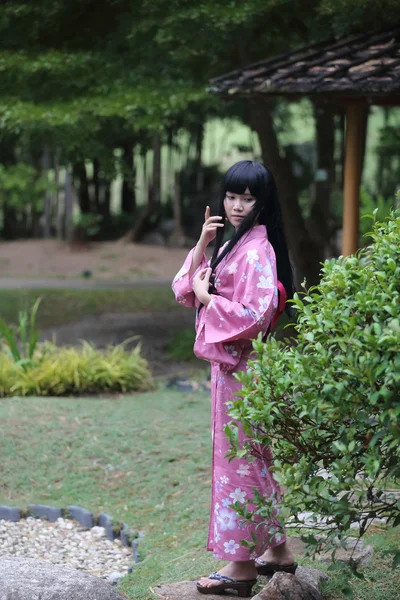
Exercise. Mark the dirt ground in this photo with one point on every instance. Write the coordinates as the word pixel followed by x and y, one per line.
pixel 112 261
pixel 32 260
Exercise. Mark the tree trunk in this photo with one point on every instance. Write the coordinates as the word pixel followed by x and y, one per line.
pixel 305 252
pixel 96 185
pixel 79 171
pixel 155 197
pixel 69 229
pixel 177 238
pixel 320 223
pixel 198 162
pixel 9 222
pixel 57 202
pixel 47 197
pixel 128 201
pixel 105 204
pixel 7 154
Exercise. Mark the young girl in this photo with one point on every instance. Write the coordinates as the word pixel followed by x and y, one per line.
pixel 237 297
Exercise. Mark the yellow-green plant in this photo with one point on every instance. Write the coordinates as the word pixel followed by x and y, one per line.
pixel 63 371
pixel 21 340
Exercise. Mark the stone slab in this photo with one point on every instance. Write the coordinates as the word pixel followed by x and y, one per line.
pixel 31 579
pixel 9 513
pixel 51 513
pixel 83 516
pixel 106 522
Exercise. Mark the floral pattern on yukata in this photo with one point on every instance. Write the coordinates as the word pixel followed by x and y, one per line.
pixel 246 302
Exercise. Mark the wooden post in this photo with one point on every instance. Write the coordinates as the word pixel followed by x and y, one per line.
pixel 355 135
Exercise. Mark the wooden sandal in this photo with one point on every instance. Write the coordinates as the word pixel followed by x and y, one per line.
pixel 243 587
pixel 269 568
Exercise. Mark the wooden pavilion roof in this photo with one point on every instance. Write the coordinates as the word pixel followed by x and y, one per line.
pixel 358 66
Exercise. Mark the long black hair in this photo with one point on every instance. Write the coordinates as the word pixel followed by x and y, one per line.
pixel 266 211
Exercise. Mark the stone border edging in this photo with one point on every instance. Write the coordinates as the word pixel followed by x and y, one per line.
pixel 128 537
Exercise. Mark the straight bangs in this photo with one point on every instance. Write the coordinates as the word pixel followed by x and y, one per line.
pixel 240 176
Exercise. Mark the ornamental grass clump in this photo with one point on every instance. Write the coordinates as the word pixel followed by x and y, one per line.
pixel 64 371
pixel 330 404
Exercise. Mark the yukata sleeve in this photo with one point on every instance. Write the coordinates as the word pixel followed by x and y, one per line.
pixel 182 284
pixel 254 301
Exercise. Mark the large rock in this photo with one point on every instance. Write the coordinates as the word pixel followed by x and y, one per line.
pixel 284 586
pixel 31 579
pixel 184 590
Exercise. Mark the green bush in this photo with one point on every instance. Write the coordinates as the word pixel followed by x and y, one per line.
pixel 180 347
pixel 62 371
pixel 330 405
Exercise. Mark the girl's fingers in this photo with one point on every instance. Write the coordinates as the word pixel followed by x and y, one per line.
pixel 207 274
pixel 204 273
pixel 212 219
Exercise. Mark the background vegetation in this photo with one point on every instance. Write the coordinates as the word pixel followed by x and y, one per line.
pixel 109 105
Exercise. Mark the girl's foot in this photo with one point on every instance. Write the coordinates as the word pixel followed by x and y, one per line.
pixel 240 571
pixel 280 555
pixel 275 559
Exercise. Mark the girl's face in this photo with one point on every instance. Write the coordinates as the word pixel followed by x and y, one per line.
pixel 238 206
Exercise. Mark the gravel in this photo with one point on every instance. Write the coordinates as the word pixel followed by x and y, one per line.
pixel 66 543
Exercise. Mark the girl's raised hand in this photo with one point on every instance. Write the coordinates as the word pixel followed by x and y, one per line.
pixel 210 227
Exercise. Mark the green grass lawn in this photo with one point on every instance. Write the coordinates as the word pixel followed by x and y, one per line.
pixel 59 307
pixel 144 459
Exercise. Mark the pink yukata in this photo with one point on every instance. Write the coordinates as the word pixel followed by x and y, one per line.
pixel 244 305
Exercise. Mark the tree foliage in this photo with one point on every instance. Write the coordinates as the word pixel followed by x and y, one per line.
pixel 330 405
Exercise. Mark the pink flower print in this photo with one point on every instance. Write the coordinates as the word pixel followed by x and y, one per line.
pixel 267 270
pixel 252 255
pixel 264 472
pixel 243 470
pixel 181 299
pixel 265 282
pixel 217 283
pixel 264 303
pixel 232 268
pixel 231 547
pixel 244 277
pixel 226 502
pixel 217 537
pixel 226 519
pixel 231 350
pixel 224 479
pixel 238 495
